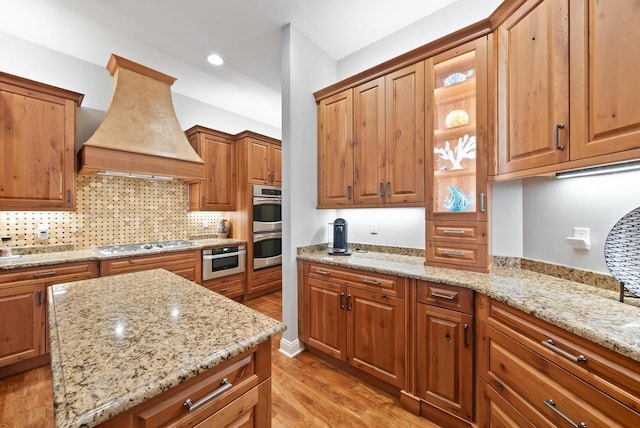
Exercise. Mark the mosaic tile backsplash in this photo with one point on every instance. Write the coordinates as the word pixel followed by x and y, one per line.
pixel 111 211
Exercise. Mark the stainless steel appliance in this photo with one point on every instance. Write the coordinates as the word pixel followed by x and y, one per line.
pixel 340 242
pixel 267 208
pixel 267 226
pixel 267 249
pixel 143 247
pixel 224 261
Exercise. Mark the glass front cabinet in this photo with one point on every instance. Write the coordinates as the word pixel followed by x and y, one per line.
pixel 456 158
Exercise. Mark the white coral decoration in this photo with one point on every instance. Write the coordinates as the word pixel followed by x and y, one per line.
pixel 466 149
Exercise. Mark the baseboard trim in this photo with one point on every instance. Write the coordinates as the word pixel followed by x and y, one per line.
pixel 291 348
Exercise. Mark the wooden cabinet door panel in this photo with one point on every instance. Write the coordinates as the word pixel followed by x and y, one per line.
pixel 369 145
pixel 335 150
pixel 533 86
pixel 376 335
pixel 445 359
pixel 37 146
pixel 276 165
pixel 258 162
pixel 605 59
pixel 327 317
pixel 405 101
pixel 220 183
pixel 21 323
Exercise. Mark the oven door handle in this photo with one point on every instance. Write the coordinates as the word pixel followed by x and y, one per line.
pixel 222 256
pixel 257 237
pixel 267 201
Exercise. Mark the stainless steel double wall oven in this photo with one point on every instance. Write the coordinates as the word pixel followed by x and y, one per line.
pixel 267 226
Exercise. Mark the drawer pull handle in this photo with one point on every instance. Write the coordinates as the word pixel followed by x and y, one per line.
pixel 448 253
pixel 341 300
pixel 552 405
pixel 224 385
pixel 556 136
pixel 551 345
pixel 371 281
pixel 224 290
pixel 388 188
pixel 482 198
pixel 443 296
pixel 41 274
pixel 349 302
pixel 381 189
pixel 322 272
pixel 39 298
pixel 453 232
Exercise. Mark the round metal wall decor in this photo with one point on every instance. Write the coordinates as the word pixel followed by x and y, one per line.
pixel 622 251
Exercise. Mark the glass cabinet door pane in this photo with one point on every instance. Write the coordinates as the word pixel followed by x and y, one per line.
pixel 455 135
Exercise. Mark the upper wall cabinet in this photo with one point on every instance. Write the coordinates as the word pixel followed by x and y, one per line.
pixel 567 86
pixel 371 143
pixel 605 62
pixel 37 145
pixel 264 162
pixel 217 192
pixel 533 86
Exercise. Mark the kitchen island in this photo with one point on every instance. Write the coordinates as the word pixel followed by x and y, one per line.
pixel 139 346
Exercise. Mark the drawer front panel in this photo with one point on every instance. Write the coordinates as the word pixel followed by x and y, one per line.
pixel 550 390
pixel 240 375
pixel 456 253
pixel 371 281
pixel 608 371
pixel 445 296
pixel 231 288
pixel 139 263
pixel 53 273
pixel 457 231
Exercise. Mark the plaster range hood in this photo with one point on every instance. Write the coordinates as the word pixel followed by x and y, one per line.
pixel 140 135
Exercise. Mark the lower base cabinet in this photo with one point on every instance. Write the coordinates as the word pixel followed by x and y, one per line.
pixel 236 393
pixel 231 286
pixel 356 317
pixel 539 375
pixel 264 281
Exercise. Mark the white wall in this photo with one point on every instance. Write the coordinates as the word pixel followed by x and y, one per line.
pixel 305 69
pixel 553 207
pixel 400 227
pixel 445 21
pixel 39 63
pixel 506 218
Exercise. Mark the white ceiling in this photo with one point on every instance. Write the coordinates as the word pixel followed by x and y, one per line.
pixel 175 37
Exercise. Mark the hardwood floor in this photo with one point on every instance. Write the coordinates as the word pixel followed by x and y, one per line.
pixel 306 392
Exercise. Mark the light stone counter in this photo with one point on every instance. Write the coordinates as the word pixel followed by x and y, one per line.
pixel 592 313
pixel 57 257
pixel 117 341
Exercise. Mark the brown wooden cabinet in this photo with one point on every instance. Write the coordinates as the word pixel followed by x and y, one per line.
pixel 23 312
pixel 358 318
pixel 371 142
pixel 218 191
pixel 566 87
pixel 264 162
pixel 38 143
pixel 444 353
pixel 187 264
pixel 236 393
pixel 231 286
pixel 549 376
pixel 456 178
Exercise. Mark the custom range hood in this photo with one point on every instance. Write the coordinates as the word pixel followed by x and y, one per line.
pixel 140 135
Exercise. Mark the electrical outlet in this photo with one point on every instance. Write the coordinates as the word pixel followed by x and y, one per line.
pixel 580 239
pixel 374 229
pixel 43 232
pixel 581 232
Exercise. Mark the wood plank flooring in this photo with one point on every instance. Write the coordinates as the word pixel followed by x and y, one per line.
pixel 306 392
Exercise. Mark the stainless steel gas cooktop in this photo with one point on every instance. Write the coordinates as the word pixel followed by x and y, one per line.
pixel 143 247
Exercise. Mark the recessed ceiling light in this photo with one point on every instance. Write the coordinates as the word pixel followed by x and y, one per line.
pixel 215 59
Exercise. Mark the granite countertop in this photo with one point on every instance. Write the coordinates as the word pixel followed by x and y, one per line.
pixel 117 341
pixel 56 257
pixel 592 313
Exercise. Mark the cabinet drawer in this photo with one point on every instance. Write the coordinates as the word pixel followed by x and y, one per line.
pixel 445 296
pixel 241 375
pixel 456 254
pixel 233 286
pixel 371 281
pixel 186 270
pixel 607 370
pixel 53 273
pixel 154 261
pixel 525 378
pixel 457 231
